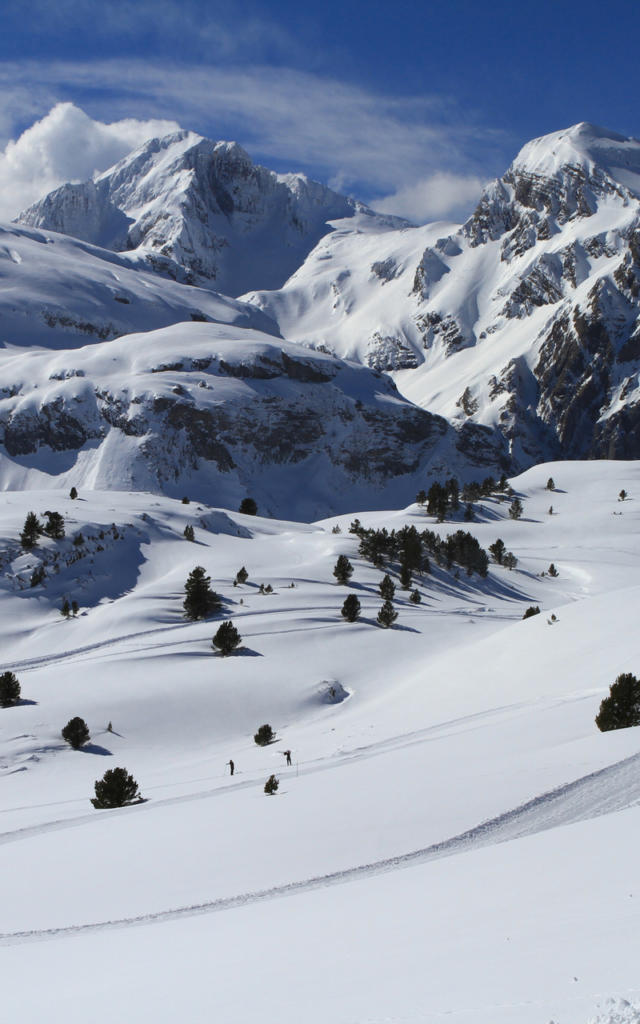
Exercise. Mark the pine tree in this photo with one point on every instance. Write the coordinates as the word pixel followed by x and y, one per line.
pixel 405 576
pixel 516 508
pixel 248 507
pixel 55 526
pixel 241 576
pixel 553 571
pixel 200 600
pixel 509 560
pixel 623 494
pixel 66 608
pixel 351 608
pixel 421 497
pixel 189 533
pixel 550 484
pixel 621 709
pixel 387 588
pixel 264 735
pixel 9 689
pixel 387 616
pixel 271 785
pixel 532 610
pixel 227 638
pixel 30 531
pixel 497 550
pixel 116 788
pixel 73 494
pixel 415 597
pixel 343 569
pixel 76 733
pixel 75 607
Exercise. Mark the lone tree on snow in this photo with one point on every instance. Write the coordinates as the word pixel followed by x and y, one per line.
pixel 241 576
pixel 227 638
pixel 264 735
pixel 387 588
pixel 76 733
pixel 248 507
pixel 30 531
pixel 200 600
pixel 387 616
pixel 351 608
pixel 271 785
pixel 189 533
pixel 9 689
pixel 116 788
pixel 516 508
pixel 343 569
pixel 621 708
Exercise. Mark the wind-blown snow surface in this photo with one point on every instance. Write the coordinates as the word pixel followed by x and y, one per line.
pixel 454 838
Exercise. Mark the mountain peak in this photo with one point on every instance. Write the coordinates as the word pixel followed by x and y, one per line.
pixel 584 145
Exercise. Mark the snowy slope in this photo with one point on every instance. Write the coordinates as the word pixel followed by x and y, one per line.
pixel 524 320
pixel 218 412
pixel 202 211
pixel 443 843
pixel 57 292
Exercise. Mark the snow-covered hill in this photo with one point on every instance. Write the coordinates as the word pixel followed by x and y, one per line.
pixel 200 211
pixel 525 319
pixel 454 837
pixel 218 412
pixel 59 293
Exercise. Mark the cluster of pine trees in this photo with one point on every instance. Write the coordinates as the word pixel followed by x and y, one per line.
pixel 411 548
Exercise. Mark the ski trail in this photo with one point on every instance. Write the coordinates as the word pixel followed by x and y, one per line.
pixel 50 659
pixel 610 789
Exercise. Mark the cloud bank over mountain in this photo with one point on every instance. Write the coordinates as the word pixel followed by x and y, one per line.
pixel 66 145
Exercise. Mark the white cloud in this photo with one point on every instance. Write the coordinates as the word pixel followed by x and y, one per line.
pixel 439 196
pixel 364 143
pixel 66 145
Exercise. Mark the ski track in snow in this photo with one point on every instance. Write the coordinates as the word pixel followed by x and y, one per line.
pixel 614 788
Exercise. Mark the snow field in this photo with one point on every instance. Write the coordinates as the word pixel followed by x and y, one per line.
pixel 463 714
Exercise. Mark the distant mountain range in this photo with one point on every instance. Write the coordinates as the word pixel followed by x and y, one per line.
pixel 512 339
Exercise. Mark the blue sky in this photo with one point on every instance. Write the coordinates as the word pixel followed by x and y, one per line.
pixel 412 106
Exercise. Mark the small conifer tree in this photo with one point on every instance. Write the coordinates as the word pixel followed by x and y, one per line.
pixel 497 550
pixel 200 600
pixel 531 610
pixel 552 570
pixel 387 616
pixel 242 576
pixel 9 689
pixel 405 576
pixel 509 560
pixel 54 526
pixel 73 494
pixel 621 709
pixel 116 788
pixel 271 785
pixel 30 531
pixel 623 494
pixel 387 588
pixel 351 608
pixel 75 607
pixel 421 497
pixel 248 507
pixel 189 533
pixel 516 508
pixel 264 735
pixel 550 484
pixel 66 608
pixel 76 733
pixel 227 638
pixel 415 597
pixel 343 569
pixel 186 500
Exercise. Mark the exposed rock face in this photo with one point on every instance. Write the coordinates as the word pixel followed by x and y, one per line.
pixel 200 212
pixel 219 412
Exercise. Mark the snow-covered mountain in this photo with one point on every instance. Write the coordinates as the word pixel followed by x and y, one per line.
pixel 200 211
pixel 57 292
pixel 525 319
pixel 217 412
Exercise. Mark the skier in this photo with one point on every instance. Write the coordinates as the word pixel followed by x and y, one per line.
pixel 287 754
pixel 232 766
